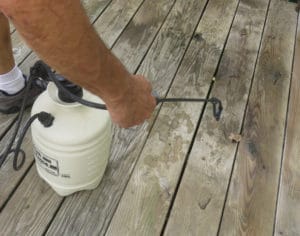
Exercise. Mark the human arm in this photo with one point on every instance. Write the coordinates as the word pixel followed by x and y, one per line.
pixel 61 34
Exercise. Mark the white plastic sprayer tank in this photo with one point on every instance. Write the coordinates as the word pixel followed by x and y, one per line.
pixel 73 153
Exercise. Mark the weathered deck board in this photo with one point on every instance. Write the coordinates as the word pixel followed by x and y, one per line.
pixel 20 49
pixel 21 221
pixel 32 208
pixel 288 209
pixel 115 19
pixel 94 8
pixel 147 198
pixel 152 157
pixel 134 43
pixel 251 202
pixel 199 201
pixel 8 177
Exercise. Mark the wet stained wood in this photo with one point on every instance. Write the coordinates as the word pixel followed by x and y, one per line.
pixel 146 200
pixel 198 205
pixel 288 208
pixel 27 181
pixel 251 201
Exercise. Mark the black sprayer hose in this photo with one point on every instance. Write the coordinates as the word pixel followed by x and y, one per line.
pixel 18 150
pixel 46 120
pixel 8 149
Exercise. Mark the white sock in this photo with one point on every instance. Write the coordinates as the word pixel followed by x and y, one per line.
pixel 13 81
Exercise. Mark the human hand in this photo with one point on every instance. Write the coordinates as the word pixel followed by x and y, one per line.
pixel 135 106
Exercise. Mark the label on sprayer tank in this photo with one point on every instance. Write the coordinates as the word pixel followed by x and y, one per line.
pixel 48 164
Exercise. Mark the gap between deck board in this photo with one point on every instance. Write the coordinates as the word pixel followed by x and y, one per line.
pixel 288 203
pixel 145 203
pixel 198 204
pixel 251 202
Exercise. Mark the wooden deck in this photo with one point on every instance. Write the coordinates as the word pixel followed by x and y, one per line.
pixel 180 173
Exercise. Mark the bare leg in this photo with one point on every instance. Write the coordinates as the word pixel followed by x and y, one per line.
pixel 6 56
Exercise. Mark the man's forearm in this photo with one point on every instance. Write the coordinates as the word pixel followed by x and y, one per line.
pixel 60 32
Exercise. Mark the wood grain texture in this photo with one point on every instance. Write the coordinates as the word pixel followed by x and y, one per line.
pixel 115 19
pixel 251 202
pixel 20 48
pixel 20 52
pixel 35 203
pixel 140 33
pixel 8 176
pixel 200 198
pixel 146 200
pixel 94 8
pixel 288 208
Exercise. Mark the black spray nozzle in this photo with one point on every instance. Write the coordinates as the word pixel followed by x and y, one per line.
pixel 217 107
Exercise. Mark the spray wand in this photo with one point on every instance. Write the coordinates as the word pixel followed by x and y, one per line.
pixel 69 92
pixel 217 104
